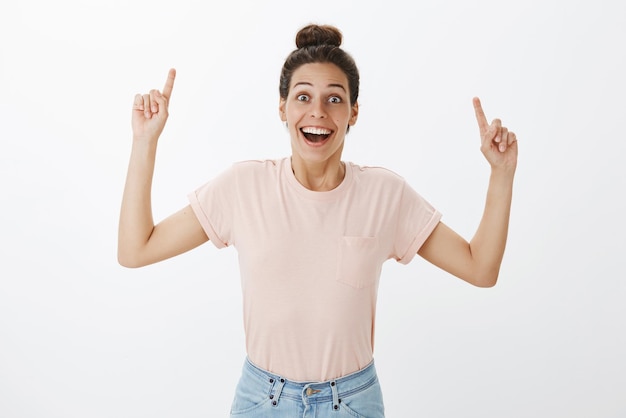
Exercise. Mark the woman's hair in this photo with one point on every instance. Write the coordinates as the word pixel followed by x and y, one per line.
pixel 319 44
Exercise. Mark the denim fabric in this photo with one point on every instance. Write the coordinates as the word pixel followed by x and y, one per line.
pixel 261 394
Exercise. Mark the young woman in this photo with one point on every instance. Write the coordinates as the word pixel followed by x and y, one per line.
pixel 312 233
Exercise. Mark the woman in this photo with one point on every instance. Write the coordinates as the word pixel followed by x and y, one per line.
pixel 312 233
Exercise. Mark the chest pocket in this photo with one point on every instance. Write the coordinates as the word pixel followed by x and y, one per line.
pixel 358 261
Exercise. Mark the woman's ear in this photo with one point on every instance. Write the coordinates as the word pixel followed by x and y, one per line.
pixel 281 110
pixel 355 114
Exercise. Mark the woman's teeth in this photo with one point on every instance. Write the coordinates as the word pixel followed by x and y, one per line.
pixel 316 134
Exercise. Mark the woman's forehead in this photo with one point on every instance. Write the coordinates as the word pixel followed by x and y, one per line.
pixel 320 75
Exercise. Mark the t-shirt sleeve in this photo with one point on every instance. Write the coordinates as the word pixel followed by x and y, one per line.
pixel 417 218
pixel 214 205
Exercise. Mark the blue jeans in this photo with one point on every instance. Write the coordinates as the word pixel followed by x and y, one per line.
pixel 261 394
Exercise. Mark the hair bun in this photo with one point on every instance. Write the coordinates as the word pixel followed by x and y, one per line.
pixel 314 35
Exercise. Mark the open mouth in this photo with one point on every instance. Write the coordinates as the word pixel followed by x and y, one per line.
pixel 316 135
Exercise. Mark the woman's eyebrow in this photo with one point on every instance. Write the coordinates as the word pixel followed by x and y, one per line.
pixel 337 85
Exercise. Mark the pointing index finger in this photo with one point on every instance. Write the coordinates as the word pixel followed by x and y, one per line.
pixel 169 84
pixel 480 115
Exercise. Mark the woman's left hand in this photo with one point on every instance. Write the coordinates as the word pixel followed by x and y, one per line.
pixel 498 144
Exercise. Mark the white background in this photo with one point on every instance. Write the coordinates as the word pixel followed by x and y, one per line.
pixel 81 336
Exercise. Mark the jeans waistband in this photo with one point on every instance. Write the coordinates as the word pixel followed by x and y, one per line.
pixel 313 392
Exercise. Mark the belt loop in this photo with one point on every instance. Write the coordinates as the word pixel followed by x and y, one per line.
pixel 336 400
pixel 279 390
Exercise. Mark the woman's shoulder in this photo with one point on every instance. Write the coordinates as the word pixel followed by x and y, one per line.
pixel 255 171
pixel 376 173
pixel 257 166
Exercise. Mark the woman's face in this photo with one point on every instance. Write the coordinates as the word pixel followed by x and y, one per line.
pixel 318 112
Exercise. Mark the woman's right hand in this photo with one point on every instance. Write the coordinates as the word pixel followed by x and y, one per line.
pixel 150 111
pixel 140 241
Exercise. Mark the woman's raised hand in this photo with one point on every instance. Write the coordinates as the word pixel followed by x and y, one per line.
pixel 150 111
pixel 498 144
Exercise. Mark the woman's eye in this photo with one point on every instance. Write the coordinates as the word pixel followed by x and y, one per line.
pixel 334 99
pixel 302 98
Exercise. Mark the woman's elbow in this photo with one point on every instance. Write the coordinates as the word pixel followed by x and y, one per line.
pixel 484 279
pixel 129 259
pixel 487 281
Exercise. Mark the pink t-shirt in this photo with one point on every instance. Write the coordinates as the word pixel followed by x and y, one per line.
pixel 310 261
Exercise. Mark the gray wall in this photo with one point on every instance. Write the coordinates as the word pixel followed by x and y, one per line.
pixel 81 336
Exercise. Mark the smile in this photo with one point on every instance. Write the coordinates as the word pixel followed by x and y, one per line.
pixel 316 135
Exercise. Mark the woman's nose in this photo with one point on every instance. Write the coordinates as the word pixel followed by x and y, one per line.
pixel 317 110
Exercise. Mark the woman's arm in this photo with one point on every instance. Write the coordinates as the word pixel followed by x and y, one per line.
pixel 478 261
pixel 140 242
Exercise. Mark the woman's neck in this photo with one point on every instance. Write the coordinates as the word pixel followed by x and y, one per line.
pixel 319 177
